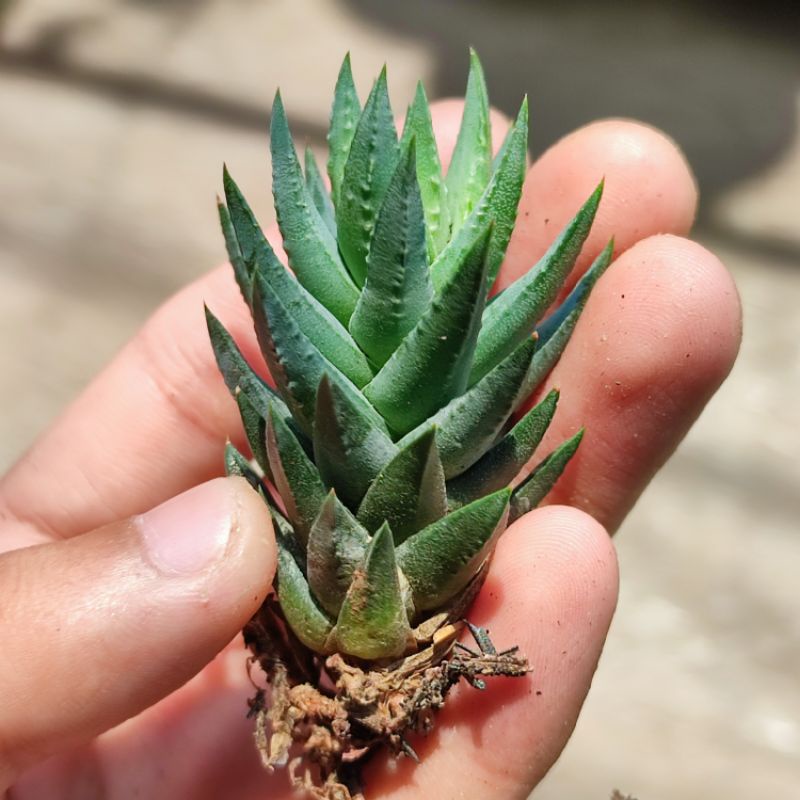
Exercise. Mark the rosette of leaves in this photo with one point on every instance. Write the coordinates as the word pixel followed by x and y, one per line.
pixel 388 445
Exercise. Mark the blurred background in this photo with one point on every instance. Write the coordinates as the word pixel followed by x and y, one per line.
pixel 115 116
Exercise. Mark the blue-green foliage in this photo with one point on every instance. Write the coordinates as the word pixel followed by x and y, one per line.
pixel 390 434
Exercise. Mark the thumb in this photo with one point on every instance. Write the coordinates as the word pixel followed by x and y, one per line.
pixel 97 628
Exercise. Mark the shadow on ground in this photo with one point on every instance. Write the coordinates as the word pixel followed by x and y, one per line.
pixel 721 77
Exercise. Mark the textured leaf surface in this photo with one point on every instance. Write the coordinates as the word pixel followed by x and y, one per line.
pixel 498 205
pixel 500 465
pixel 471 163
pixel 398 290
pixel 529 494
pixel 308 621
pixel 237 465
pixel 295 477
pixel 372 622
pixel 255 429
pixel 348 449
pixel 240 270
pixel 468 425
pixel 441 559
pixel 283 530
pixel 318 192
pixel 409 493
pixel 370 164
pixel 337 544
pixel 419 126
pixel 238 375
pixel 317 323
pixel 344 117
pixel 512 316
pixel 432 364
pixel 295 362
pixel 556 330
pixel 309 244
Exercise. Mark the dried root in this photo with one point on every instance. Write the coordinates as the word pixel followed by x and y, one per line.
pixel 338 713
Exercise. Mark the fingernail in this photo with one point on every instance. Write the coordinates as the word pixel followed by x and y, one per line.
pixel 191 531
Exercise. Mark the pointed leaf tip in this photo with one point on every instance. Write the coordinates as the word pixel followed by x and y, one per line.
pixel 431 182
pixel 373 623
pixel 498 204
pixel 295 476
pixel 345 112
pixel 308 621
pixel 514 313
pixel 336 547
pixel 349 449
pixel 432 363
pixel 371 161
pixel 500 465
pixel 397 290
pixel 470 166
pixel 310 246
pixel 238 375
pixel 530 493
pixel 441 559
pixel 409 492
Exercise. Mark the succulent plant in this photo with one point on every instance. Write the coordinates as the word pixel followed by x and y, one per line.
pixel 388 446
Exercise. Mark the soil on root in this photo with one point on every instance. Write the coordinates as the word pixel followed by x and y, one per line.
pixel 321 718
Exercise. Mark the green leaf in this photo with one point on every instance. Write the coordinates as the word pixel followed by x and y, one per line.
pixel 367 172
pixel 318 192
pixel 255 429
pixel 308 621
pixel 498 204
pixel 344 117
pixel 555 332
pixel 471 164
pixel 295 362
pixel 310 246
pixel 512 316
pixel 284 532
pixel 419 126
pixel 237 465
pixel 317 323
pixel 373 623
pixel 506 459
pixel 576 299
pixel 469 424
pixel 398 289
pixel 529 494
pixel 295 476
pixel 409 493
pixel 240 270
pixel 239 222
pixel 336 548
pixel 441 559
pixel 349 450
pixel 432 363
pixel 238 374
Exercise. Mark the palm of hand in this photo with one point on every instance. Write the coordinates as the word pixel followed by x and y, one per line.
pixel 94 636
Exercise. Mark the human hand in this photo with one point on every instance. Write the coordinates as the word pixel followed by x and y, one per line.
pixel 100 626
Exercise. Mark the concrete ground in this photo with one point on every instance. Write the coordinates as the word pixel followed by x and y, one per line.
pixel 116 116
